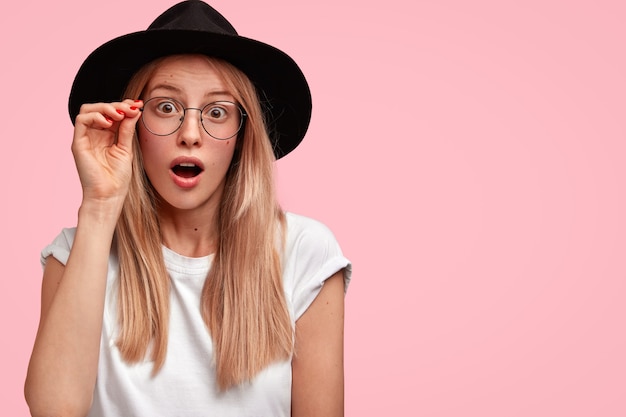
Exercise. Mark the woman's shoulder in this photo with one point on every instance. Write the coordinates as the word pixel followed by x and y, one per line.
pixel 60 246
pixel 310 240
pixel 65 236
pixel 312 255
pixel 299 225
pixel 305 234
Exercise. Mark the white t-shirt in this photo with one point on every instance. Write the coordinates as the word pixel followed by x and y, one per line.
pixel 185 386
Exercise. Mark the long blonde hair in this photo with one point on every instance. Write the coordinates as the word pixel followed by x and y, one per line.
pixel 243 302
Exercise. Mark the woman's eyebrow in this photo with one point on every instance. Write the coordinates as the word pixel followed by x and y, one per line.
pixel 167 87
pixel 174 89
pixel 218 93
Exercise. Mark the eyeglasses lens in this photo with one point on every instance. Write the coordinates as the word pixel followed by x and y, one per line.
pixel 163 116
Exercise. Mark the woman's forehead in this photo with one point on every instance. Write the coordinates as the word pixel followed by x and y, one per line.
pixel 184 75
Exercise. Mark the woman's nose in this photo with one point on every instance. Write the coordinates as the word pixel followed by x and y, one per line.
pixel 191 130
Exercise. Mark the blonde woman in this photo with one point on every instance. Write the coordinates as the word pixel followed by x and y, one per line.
pixel 184 290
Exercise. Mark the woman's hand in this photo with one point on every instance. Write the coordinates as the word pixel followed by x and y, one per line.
pixel 103 149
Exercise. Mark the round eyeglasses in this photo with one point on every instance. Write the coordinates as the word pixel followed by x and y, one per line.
pixel 163 116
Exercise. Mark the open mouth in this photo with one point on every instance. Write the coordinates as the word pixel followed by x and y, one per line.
pixel 186 170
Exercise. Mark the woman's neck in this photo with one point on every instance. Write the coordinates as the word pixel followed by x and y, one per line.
pixel 189 233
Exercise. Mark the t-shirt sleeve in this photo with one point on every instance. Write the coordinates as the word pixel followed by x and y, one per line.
pixel 313 256
pixel 59 248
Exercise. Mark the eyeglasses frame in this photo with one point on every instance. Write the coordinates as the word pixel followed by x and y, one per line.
pixel 244 116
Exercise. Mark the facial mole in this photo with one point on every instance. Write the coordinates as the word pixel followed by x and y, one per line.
pixel 195 229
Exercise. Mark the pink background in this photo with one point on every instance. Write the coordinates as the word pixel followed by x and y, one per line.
pixel 467 154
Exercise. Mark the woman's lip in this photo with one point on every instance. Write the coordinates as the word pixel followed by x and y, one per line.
pixel 187 160
pixel 184 182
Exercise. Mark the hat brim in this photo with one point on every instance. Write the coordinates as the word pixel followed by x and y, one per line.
pixel 281 85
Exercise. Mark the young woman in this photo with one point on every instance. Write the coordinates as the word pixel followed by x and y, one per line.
pixel 184 290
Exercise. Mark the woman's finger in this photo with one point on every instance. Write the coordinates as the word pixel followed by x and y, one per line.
pixel 93 120
pixel 126 130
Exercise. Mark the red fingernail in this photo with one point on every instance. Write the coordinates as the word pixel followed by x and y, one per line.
pixel 133 107
pixel 121 112
pixel 137 101
pixel 108 119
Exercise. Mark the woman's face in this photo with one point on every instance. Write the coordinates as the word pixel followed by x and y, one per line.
pixel 188 167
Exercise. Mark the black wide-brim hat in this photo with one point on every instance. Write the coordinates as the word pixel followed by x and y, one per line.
pixel 195 27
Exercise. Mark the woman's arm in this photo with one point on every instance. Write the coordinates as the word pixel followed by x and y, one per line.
pixel 317 386
pixel 63 366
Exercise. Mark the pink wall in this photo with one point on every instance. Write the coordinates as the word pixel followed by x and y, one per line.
pixel 467 154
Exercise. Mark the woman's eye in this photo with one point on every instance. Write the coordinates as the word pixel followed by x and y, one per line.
pixel 166 107
pixel 217 113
